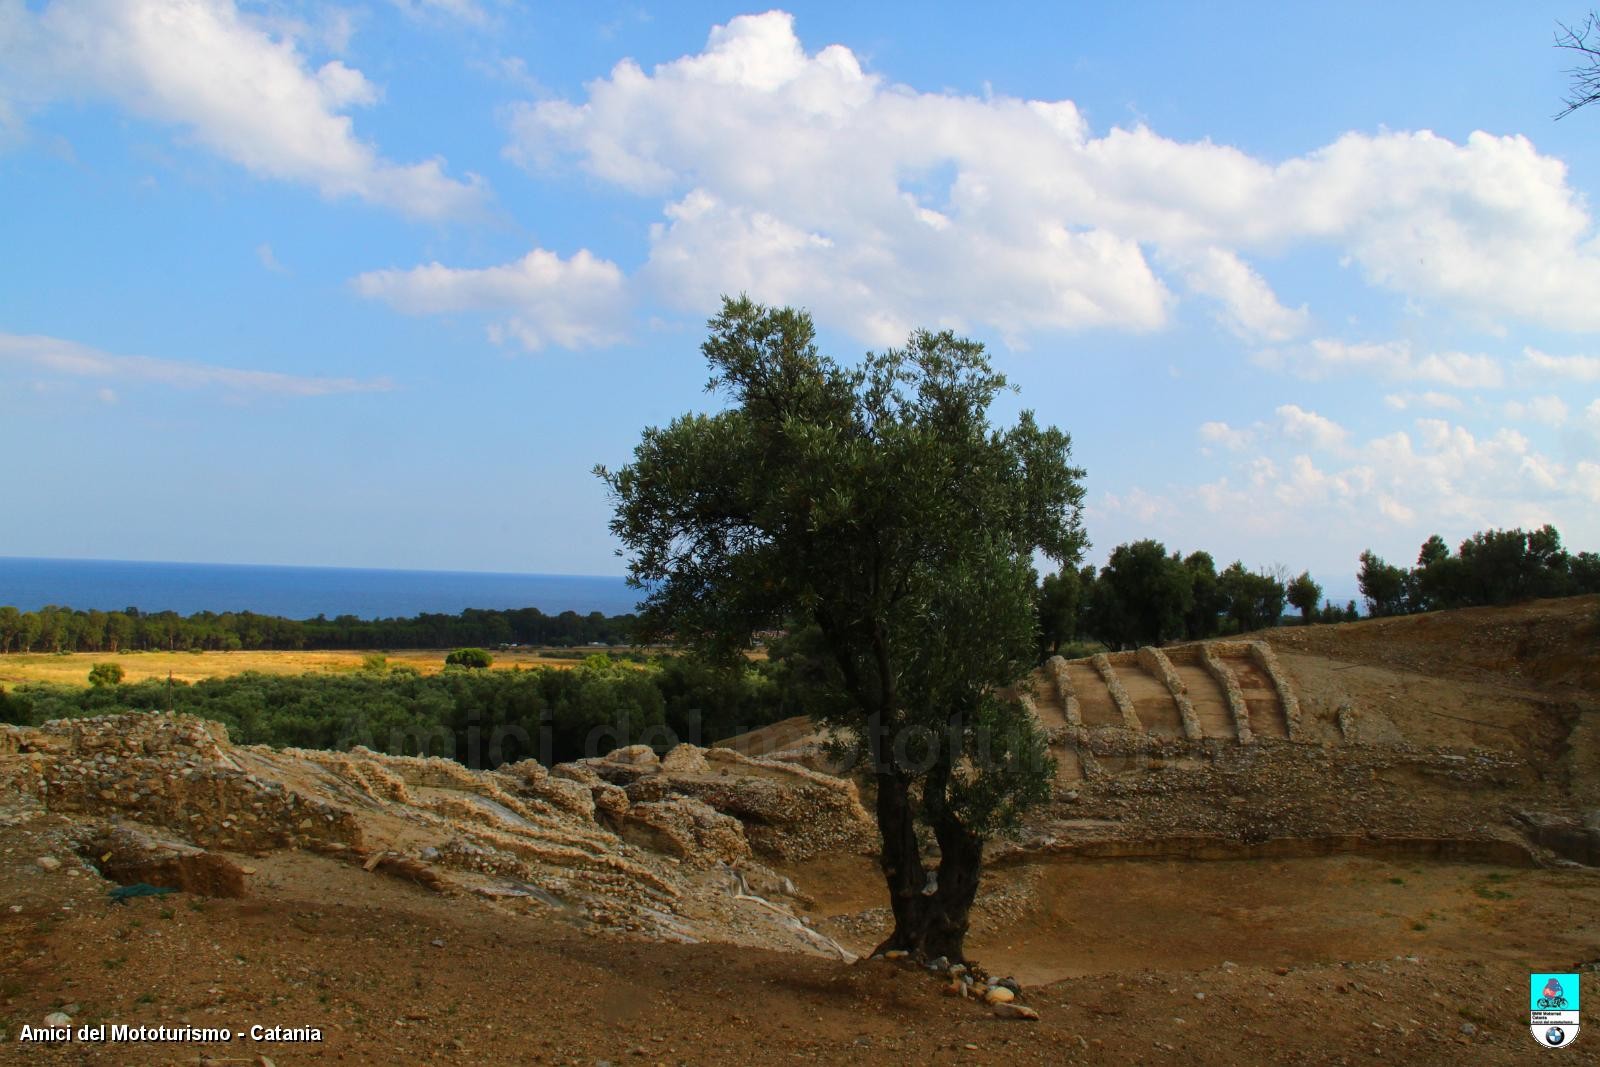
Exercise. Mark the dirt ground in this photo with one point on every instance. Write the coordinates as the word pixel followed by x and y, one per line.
pixel 1314 961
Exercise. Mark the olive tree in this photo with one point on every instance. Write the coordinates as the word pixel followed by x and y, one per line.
pixel 876 504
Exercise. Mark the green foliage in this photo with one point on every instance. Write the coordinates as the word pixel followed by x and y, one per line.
pixel 482 718
pixel 1303 593
pixel 1142 596
pixel 1208 603
pixel 104 674
pixel 1383 585
pixel 375 661
pixel 1491 567
pixel 1061 602
pixel 1255 599
pixel 59 629
pixel 471 658
pixel 875 507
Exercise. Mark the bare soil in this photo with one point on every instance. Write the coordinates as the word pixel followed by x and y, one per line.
pixel 1213 963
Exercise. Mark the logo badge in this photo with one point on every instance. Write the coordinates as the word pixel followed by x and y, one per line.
pixel 1553 1008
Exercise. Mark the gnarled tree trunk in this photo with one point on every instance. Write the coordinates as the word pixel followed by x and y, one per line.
pixel 928 923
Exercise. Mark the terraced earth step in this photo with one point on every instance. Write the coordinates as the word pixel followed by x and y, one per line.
pixel 1261 697
pixel 1094 700
pixel 1209 701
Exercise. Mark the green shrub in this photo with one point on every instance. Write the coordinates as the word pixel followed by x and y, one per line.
pixel 104 674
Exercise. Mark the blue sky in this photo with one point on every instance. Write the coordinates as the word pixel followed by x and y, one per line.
pixel 376 284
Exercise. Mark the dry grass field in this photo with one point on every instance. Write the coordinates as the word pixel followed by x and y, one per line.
pixel 73 668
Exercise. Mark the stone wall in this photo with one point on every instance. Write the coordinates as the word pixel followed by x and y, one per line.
pixel 1119 695
pixel 1155 661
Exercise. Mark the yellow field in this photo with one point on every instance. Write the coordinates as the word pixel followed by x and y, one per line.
pixel 73 668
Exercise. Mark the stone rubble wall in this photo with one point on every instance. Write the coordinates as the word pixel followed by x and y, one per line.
pixel 1119 695
pixel 1230 691
pixel 1156 662
pixel 1267 660
pixel 1057 668
pixel 177 772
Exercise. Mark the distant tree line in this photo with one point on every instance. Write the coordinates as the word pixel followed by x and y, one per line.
pixel 1145 595
pixel 482 718
pixel 63 629
pixel 1491 567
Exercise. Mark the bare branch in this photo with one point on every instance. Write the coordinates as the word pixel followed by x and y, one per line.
pixel 1586 76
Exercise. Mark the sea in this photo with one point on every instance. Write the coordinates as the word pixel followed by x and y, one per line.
pixel 297 592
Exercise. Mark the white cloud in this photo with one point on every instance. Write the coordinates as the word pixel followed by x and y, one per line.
pixel 1332 495
pixel 1548 410
pixel 1538 366
pixel 1588 480
pixel 1301 425
pixel 1391 360
pixel 1250 309
pixel 237 84
pixel 806 178
pixel 269 259
pixel 573 303
pixel 81 361
pixel 1220 433
pixel 1429 399
pixel 1441 471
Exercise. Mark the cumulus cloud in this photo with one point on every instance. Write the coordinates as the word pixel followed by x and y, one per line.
pixel 81 361
pixel 1305 480
pixel 1301 425
pixel 1437 469
pixel 1547 410
pixel 1427 399
pixel 1390 360
pixel 1250 309
pixel 1539 366
pixel 806 178
pixel 237 84
pixel 1220 433
pixel 574 303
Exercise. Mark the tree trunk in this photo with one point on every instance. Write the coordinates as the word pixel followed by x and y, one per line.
pixel 927 925
pixel 960 868
pixel 901 860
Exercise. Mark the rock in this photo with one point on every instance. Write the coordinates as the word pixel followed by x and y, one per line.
pixel 957 988
pixel 686 828
pixel 636 755
pixel 48 863
pixel 57 1019
pixel 1469 1030
pixel 896 954
pixel 788 812
pixel 1007 1010
pixel 684 759
pixel 999 995
pixel 610 800
pixel 1010 983
pixel 942 963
